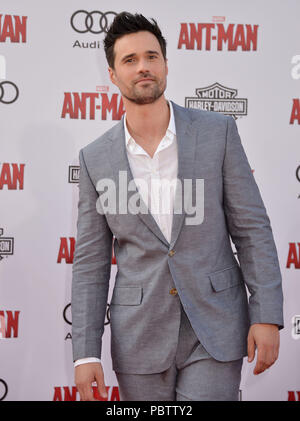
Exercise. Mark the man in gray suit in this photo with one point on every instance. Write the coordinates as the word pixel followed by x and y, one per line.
pixel 181 321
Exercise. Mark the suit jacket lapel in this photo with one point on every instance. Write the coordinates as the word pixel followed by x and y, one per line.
pixel 119 162
pixel 186 152
pixel 186 142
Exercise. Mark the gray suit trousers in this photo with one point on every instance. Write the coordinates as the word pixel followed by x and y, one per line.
pixel 193 375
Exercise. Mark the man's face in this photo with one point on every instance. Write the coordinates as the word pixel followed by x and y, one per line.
pixel 140 70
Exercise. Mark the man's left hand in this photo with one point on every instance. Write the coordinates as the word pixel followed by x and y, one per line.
pixel 264 337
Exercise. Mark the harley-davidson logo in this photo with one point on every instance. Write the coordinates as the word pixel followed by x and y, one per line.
pixel 218 98
pixel 6 245
pixel 74 171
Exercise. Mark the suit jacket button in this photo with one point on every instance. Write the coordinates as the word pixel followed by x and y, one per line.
pixel 173 291
pixel 171 253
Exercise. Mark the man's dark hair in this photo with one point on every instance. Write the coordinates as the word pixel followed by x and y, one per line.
pixel 126 23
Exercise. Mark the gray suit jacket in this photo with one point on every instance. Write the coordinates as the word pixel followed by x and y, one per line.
pixel 210 281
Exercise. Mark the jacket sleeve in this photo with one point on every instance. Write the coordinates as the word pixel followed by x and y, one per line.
pixel 91 271
pixel 251 233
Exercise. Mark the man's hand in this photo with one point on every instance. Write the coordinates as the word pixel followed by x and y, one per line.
pixel 85 375
pixel 264 337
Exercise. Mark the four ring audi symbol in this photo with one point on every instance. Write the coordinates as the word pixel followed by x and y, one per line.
pixel 298 173
pixel 95 21
pixel 3 392
pixel 9 92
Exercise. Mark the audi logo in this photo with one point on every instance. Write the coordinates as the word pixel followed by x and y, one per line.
pixel 95 21
pixel 67 319
pixel 107 314
pixel 298 173
pixel 5 390
pixel 65 314
pixel 11 93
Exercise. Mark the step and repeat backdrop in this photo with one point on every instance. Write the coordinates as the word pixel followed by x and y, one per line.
pixel 237 58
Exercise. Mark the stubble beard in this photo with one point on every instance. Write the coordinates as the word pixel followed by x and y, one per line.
pixel 146 95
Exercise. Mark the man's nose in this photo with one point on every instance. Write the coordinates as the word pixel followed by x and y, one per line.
pixel 143 66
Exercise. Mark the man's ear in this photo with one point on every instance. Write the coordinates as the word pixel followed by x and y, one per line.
pixel 167 69
pixel 112 75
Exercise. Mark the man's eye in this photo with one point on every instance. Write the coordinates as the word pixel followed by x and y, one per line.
pixel 129 60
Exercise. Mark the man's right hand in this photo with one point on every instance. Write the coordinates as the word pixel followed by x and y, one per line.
pixel 85 375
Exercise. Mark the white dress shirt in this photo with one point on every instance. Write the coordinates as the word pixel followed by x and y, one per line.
pixel 163 165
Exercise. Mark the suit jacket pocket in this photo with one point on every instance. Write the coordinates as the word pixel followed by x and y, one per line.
pixel 127 296
pixel 226 278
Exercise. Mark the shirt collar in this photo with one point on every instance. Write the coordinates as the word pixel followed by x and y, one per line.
pixel 171 130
